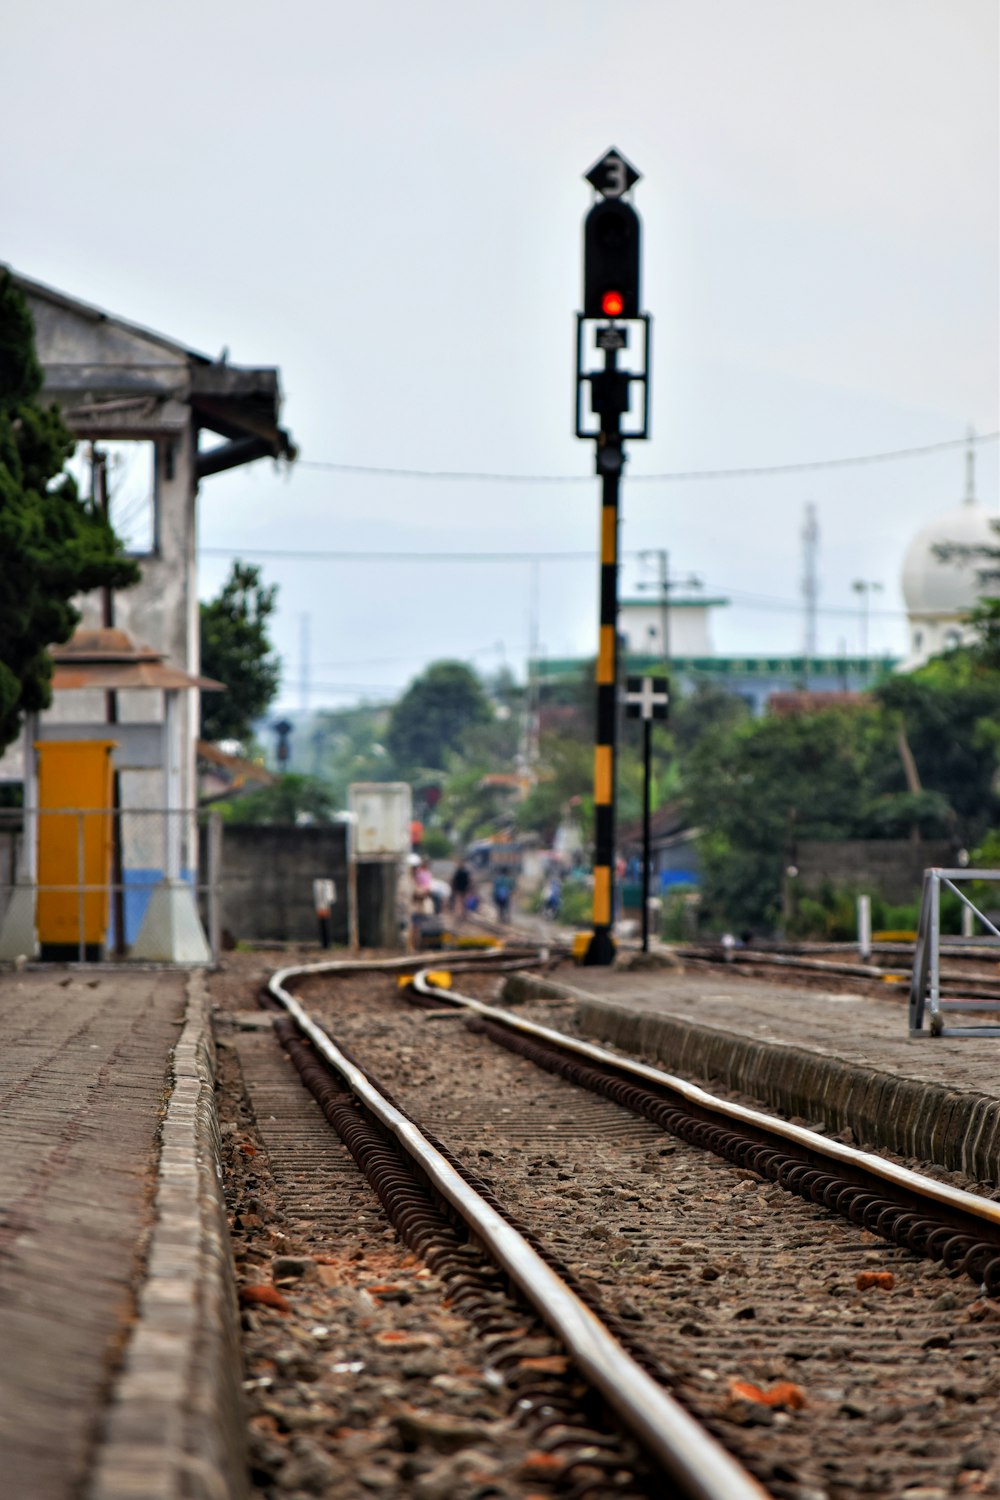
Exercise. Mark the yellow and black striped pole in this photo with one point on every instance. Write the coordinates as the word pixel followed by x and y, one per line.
pixel 601 947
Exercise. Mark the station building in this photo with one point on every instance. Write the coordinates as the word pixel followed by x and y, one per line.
pixel 153 419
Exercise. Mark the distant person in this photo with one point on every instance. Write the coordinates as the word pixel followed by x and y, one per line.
pixel 501 897
pixel 461 886
pixel 553 898
pixel 421 904
pixel 423 887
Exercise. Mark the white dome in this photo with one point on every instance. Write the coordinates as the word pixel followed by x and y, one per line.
pixel 933 585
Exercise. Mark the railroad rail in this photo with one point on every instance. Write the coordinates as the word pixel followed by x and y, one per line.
pixel 695 1464
pixel 956 1228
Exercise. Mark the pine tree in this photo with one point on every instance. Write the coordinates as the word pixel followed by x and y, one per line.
pixel 236 650
pixel 52 545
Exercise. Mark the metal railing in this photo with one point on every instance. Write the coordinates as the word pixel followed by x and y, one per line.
pixel 926 998
pixel 111 884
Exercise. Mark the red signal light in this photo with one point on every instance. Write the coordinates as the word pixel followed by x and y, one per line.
pixel 612 304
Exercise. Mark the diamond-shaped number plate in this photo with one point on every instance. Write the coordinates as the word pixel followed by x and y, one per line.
pixel 613 174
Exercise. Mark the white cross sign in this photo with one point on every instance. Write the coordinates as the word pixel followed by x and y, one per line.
pixel 646 697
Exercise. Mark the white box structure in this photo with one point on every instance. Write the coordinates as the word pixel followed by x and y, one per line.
pixel 382 812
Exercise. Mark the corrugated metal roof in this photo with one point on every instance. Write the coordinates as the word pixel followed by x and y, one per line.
pixel 108 658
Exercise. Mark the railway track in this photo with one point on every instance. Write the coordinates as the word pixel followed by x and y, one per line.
pixel 971 969
pixel 972 973
pixel 756 1344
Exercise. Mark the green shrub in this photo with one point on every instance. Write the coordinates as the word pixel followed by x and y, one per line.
pixel 435 844
pixel 831 915
pixel 577 905
pixel 679 914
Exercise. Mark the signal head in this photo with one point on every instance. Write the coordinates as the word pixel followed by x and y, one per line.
pixel 611 236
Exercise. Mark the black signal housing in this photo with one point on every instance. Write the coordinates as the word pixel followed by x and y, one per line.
pixel 611 257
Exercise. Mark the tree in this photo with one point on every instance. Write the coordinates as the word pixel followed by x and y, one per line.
pixel 566 777
pixel 292 800
pixel 236 650
pixel 434 716
pixel 950 709
pixel 753 791
pixel 52 545
pixel 347 745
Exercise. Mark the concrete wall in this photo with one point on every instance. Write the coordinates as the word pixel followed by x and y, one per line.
pixel 891 868
pixel 267 876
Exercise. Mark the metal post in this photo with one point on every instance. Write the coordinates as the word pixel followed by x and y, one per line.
pixel 865 927
pixel 81 943
pixel 352 887
pixel 172 784
pixel 214 879
pixel 647 734
pixel 935 940
pixel 29 834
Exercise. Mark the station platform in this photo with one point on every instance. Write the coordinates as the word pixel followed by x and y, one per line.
pixel 120 1370
pixel 826 1057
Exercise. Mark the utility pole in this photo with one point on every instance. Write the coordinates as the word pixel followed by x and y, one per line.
pixel 611 309
pixel 662 586
pixel 533 695
pixel 304 631
pixel 810 583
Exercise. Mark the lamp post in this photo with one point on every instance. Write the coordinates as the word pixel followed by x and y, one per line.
pixel 865 587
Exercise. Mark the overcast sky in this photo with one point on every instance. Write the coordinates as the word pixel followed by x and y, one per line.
pixel 385 200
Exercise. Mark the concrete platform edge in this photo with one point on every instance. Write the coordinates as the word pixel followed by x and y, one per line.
pixel 175 1424
pixel 908 1116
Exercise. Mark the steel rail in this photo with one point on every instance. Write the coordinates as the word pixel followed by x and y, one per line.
pixel 897 974
pixel 902 1178
pixel 677 1443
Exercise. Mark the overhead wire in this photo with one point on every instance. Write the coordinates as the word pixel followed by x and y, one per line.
pixel 746 471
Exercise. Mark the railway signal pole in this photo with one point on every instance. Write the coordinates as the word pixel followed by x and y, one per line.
pixel 612 301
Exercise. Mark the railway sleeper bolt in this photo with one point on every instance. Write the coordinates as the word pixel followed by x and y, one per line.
pixel 955 1251
pixel 859 1209
pixel 819 1188
pixel 991 1277
pixel 977 1259
pixel 832 1193
pixel 570 1437
pixel 789 1175
pixel 846 1194
pixel 936 1240
pixel 889 1223
pixel 919 1234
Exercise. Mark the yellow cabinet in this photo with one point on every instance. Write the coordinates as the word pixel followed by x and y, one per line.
pixel 75 779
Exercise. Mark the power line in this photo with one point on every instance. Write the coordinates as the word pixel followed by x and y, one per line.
pixel 741 599
pixel 312 555
pixel 774 604
pixel 675 476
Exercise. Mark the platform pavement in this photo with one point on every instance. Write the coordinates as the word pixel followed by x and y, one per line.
pixel 120 1371
pixel 826 1055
